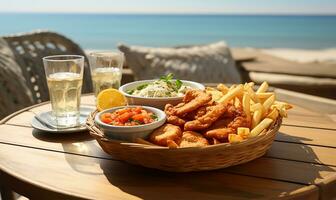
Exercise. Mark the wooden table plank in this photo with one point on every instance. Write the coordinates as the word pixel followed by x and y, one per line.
pixel 22 119
pixel 284 170
pixel 310 121
pixel 299 116
pixel 302 135
pixel 304 153
pixel 75 143
pixel 106 179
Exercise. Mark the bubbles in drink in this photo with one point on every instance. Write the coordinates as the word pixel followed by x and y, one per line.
pixel 105 77
pixel 64 90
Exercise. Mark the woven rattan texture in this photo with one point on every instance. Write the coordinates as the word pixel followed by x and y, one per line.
pixel 14 93
pixel 30 48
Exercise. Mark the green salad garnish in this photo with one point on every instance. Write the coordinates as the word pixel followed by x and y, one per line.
pixel 166 86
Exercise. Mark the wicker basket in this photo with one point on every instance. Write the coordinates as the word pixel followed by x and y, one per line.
pixel 186 159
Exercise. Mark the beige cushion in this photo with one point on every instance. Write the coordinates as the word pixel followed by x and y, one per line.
pixel 206 63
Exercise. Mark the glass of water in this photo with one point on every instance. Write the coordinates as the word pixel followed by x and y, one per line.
pixel 64 78
pixel 106 70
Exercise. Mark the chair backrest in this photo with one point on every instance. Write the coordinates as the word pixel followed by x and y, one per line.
pixel 14 93
pixel 30 48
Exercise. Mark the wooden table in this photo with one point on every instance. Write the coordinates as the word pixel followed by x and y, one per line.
pixel 301 163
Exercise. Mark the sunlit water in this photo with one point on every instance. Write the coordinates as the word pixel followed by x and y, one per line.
pixel 94 31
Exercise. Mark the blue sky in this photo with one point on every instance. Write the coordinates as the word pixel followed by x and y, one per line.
pixel 173 6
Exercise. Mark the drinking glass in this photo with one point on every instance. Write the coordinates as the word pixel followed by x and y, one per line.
pixel 106 70
pixel 64 78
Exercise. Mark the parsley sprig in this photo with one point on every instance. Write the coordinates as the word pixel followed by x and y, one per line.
pixel 169 80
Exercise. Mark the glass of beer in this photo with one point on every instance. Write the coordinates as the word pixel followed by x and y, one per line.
pixel 64 78
pixel 106 70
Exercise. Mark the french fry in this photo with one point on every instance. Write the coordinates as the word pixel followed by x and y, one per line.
pixel 231 94
pixel 232 87
pixel 237 102
pixel 273 114
pixel 264 124
pixel 223 88
pixel 256 118
pixel 234 138
pixel 286 105
pixel 252 94
pixel 263 87
pixel 264 95
pixel 216 95
pixel 251 84
pixel 268 103
pixel 263 132
pixel 243 132
pixel 246 105
pixel 255 107
pixel 281 108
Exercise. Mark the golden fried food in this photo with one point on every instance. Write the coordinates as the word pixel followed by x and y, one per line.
pixel 240 121
pixel 221 134
pixel 232 111
pixel 175 120
pixel 171 118
pixel 243 132
pixel 166 132
pixel 172 144
pixel 221 123
pixel 234 138
pixel 193 139
pixel 220 115
pixel 206 120
pixel 220 131
pixel 193 99
pixel 195 114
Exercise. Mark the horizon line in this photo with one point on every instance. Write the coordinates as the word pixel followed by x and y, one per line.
pixel 171 13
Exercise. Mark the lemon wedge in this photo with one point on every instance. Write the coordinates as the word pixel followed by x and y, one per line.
pixel 110 98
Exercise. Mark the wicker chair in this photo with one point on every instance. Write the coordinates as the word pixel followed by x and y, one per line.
pixel 22 74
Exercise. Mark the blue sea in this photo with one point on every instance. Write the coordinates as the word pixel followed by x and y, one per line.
pixel 105 31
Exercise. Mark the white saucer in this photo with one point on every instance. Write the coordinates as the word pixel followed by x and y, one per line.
pixel 43 122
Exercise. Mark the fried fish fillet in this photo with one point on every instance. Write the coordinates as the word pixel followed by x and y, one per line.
pixel 206 120
pixel 166 132
pixel 220 134
pixel 240 121
pixel 193 139
pixel 220 123
pixel 193 100
pixel 171 118
pixel 232 111
pixel 195 114
pixel 175 120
